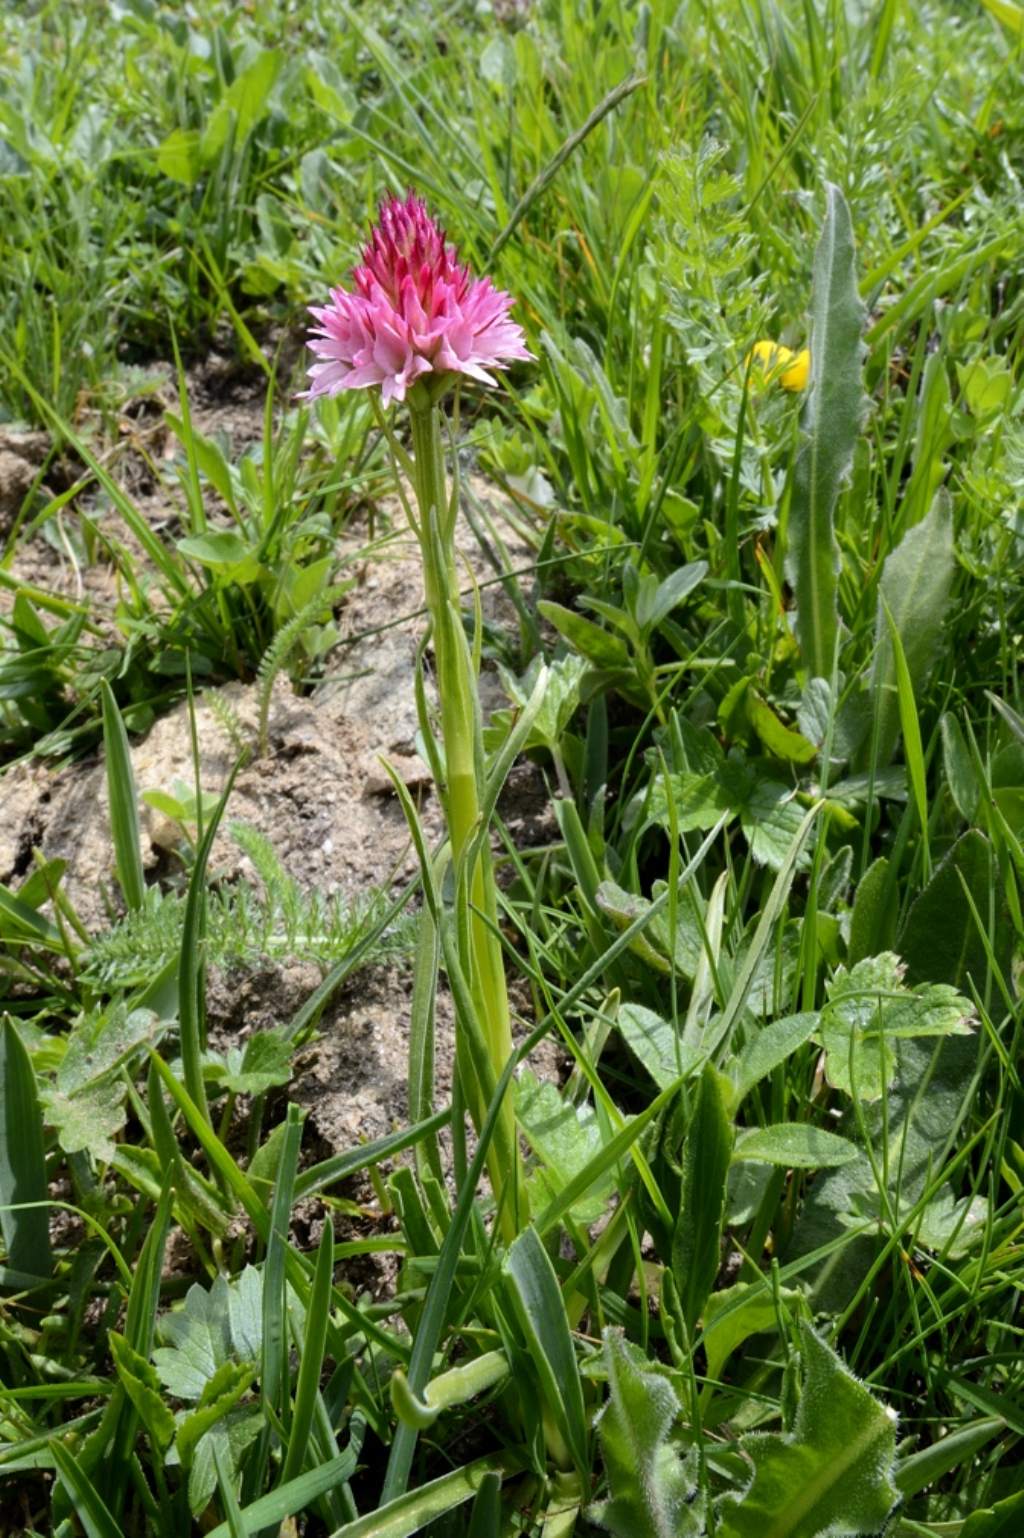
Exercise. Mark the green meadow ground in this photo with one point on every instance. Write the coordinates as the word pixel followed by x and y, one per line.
pixel 771 1284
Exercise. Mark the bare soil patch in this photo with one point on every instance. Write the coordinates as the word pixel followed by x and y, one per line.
pixel 321 797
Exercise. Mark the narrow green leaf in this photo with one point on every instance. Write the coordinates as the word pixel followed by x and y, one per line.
pixel 831 424
pixel 432 1320
pixel 910 726
pixel 20 922
pixel 124 802
pixel 541 1310
pixel 422 1011
pixel 485 1517
pixel 26 1230
pixel 288 1500
pixel 311 1362
pixel 411 1512
pixel 341 1166
pixel 192 964
pixel 707 1154
pixel 86 1502
pixel 955 1450
pixel 274 1375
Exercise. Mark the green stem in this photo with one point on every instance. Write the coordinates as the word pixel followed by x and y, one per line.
pixel 464 770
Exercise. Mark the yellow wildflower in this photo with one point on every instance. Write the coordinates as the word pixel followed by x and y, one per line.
pixel 773 361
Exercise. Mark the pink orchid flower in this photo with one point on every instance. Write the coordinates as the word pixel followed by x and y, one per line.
pixel 416 310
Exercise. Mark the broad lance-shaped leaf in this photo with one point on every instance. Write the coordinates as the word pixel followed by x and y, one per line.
pixel 831 423
pixel 943 938
pixel 832 1474
pixel 652 1488
pixel 915 586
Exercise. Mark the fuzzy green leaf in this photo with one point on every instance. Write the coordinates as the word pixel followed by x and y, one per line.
pixel 940 940
pixel 212 1327
pixel 771 1045
pixel 88 1120
pixel 652 1488
pixel 833 1474
pixel 959 768
pixel 872 919
pixel 565 1138
pixel 656 1044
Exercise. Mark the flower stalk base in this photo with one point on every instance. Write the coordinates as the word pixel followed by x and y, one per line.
pixel 479 948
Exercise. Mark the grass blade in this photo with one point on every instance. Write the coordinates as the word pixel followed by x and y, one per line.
pixel 192 963
pixel 311 1361
pixel 86 1502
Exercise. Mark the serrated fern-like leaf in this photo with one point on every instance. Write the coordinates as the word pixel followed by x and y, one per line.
pixel 281 647
pixel 832 420
pixel 229 721
pixel 243 923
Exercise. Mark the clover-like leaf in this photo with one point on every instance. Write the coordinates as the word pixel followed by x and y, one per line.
pixel 263 1063
pixel 868 1009
pixel 565 1138
pixel 214 1327
pixel 88 1120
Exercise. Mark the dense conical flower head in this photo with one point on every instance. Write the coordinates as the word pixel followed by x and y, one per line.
pixel 416 310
